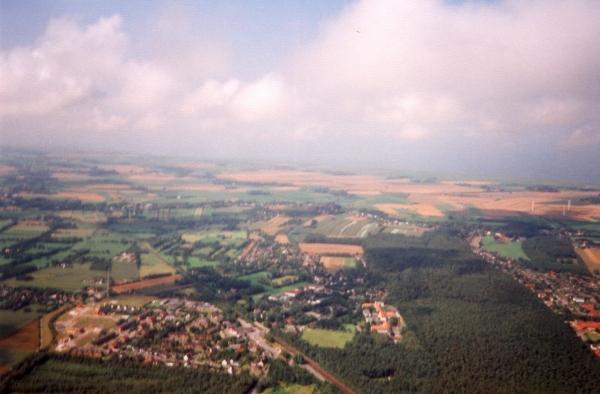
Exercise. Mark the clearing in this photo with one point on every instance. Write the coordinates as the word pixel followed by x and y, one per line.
pixel 509 249
pixel 329 338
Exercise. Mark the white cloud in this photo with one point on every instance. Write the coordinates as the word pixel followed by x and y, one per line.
pixel 410 70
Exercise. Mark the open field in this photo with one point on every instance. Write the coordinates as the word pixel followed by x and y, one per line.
pixel 591 258
pixel 262 278
pixel 225 237
pixel 104 244
pixel 144 283
pixel 196 262
pixel 26 229
pixel 418 208
pixel 282 239
pixel 272 226
pixel 329 338
pixel 73 233
pixel 330 249
pixel 26 339
pixel 131 300
pixel 70 278
pixel 91 217
pixel 153 263
pixel 336 263
pixel 427 199
pixel 343 226
pixel 510 249
pixel 124 271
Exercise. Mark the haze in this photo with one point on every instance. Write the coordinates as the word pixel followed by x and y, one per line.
pixel 479 88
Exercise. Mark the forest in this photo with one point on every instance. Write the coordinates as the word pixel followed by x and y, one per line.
pixel 53 373
pixel 470 328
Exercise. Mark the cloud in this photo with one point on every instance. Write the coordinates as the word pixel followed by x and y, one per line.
pixel 478 67
pixel 398 70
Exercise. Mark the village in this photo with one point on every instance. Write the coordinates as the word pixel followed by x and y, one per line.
pixel 170 332
pixel 570 294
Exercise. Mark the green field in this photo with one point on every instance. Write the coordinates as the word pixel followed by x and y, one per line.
pixel 196 262
pixel 262 278
pixel 124 271
pixel 104 244
pixel 71 278
pixel 329 338
pixel 511 249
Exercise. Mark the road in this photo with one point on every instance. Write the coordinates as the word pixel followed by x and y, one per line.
pixel 316 367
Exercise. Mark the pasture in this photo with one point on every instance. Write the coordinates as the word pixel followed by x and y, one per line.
pixel 70 278
pixel 329 338
pixel 508 249
pixel 123 271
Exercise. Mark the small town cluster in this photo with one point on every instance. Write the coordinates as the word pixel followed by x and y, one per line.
pixel 570 294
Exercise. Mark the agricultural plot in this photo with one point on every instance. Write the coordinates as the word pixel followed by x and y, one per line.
pixel 331 249
pixel 90 217
pixel 272 226
pixel 145 283
pixel 12 321
pixel 104 244
pixel 123 271
pixel 26 339
pixel 346 226
pixel 80 232
pixel 153 263
pixel 508 249
pixel 591 258
pixel 263 278
pixel 335 263
pixel 329 338
pixel 23 230
pixel 70 278
pixel 222 237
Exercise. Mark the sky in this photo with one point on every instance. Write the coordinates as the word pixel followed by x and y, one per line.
pixel 472 88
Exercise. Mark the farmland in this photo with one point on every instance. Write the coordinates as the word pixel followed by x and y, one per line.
pixel 69 278
pixel 285 250
pixel 591 258
pixel 331 249
pixel 145 283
